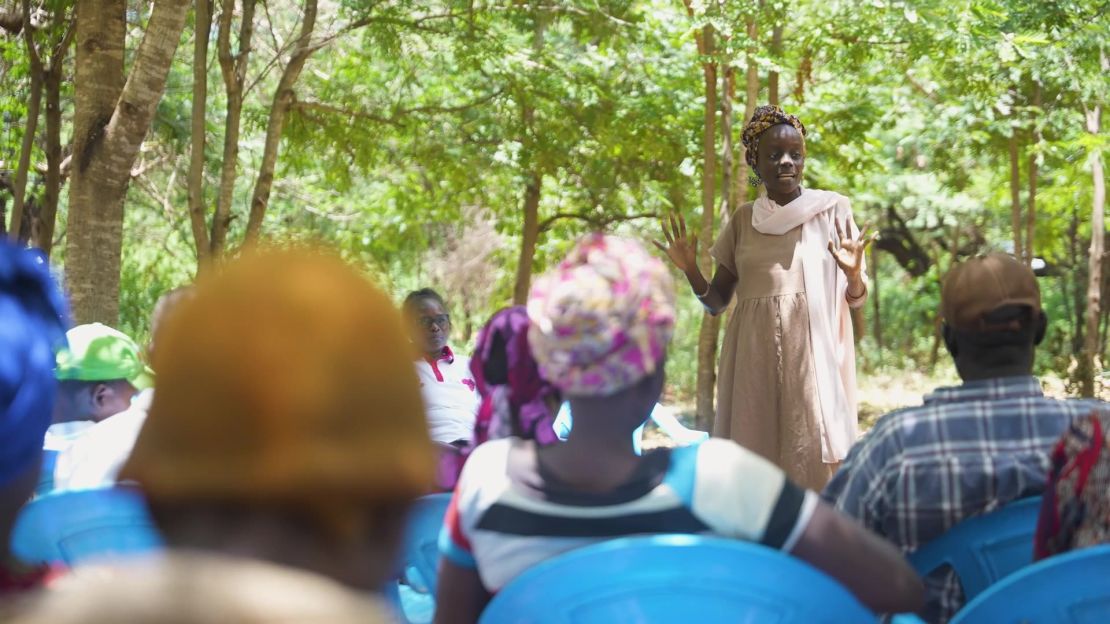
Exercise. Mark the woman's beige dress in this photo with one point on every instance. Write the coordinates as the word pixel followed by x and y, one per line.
pixel 766 385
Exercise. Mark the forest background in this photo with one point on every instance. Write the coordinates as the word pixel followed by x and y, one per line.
pixel 464 145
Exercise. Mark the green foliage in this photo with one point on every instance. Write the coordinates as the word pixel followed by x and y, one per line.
pixel 416 128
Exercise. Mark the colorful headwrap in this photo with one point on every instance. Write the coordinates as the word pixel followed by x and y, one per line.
pixel 32 325
pixel 286 378
pixel 515 398
pixel 763 118
pixel 513 393
pixel 602 318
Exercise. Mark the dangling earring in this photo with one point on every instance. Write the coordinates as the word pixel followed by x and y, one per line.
pixel 754 180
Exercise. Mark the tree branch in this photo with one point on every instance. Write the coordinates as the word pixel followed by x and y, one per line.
pixel 595 221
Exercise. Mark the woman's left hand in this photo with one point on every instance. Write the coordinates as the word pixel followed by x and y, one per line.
pixel 849 253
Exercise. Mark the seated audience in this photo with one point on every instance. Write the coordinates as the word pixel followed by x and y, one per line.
pixel 1075 512
pixel 515 400
pixel 98 374
pixel 280 455
pixel 449 390
pixel 98 377
pixel 601 322
pixel 32 312
pixel 969 449
pixel 93 457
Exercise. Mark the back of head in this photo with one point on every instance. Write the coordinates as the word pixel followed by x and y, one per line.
pixel 991 306
pixel 602 318
pixel 525 407
pixel 32 326
pixel 284 381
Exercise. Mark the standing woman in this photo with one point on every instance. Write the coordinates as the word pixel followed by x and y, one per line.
pixel 794 259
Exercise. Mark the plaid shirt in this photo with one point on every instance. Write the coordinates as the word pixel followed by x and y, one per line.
pixel 967 451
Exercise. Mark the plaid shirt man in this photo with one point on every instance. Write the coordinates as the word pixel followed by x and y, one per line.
pixel 967 451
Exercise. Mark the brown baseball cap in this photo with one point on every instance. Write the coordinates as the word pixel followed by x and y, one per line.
pixel 983 284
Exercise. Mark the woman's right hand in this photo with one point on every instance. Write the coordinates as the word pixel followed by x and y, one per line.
pixel 681 248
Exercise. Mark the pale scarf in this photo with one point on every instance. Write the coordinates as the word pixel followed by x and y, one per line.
pixel 830 324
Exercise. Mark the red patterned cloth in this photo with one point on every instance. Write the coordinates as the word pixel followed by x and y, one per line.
pixel 13 583
pixel 1075 511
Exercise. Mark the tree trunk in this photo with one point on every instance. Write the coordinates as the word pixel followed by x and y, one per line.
pixel 44 234
pixel 877 320
pixel 751 100
pixel 773 76
pixel 528 238
pixel 1015 194
pixel 530 233
pixel 1031 210
pixel 233 68
pixel 52 84
pixel 283 99
pixel 197 210
pixel 1078 269
pixel 110 121
pixel 710 325
pixel 728 189
pixel 19 184
pixel 1091 348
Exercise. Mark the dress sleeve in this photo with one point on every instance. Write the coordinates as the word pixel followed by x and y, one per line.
pixel 724 250
pixel 742 495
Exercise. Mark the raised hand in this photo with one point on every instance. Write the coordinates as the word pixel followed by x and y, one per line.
pixel 849 253
pixel 681 248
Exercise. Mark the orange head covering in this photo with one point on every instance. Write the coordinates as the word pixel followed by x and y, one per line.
pixel 286 379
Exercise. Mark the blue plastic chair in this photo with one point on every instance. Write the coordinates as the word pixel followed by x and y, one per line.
pixel 671 579
pixel 984 549
pixel 1073 588
pixel 415 599
pixel 1066 589
pixel 76 526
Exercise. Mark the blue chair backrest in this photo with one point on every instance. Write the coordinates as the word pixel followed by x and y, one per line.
pixel 415 601
pixel 1072 588
pixel 76 526
pixel 420 547
pixel 674 579
pixel 984 549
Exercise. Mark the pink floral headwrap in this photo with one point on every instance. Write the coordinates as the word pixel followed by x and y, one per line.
pixel 602 318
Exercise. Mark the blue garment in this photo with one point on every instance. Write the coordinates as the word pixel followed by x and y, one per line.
pixel 32 325
pixel 966 451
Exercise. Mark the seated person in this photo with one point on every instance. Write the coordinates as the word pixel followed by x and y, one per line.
pixel 98 376
pixel 32 310
pixel 93 457
pixel 450 392
pixel 1075 512
pixel 280 455
pixel 968 449
pixel 601 322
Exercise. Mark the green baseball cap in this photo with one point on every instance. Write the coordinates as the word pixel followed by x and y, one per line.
pixel 99 353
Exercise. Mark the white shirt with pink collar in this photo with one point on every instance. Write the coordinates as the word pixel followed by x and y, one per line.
pixel 450 396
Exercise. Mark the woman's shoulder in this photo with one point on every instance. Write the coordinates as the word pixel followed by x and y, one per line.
pixel 744 210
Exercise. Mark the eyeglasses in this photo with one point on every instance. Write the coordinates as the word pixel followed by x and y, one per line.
pixel 442 320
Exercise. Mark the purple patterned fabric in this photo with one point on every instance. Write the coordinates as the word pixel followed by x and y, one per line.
pixel 516 401
pixel 509 381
